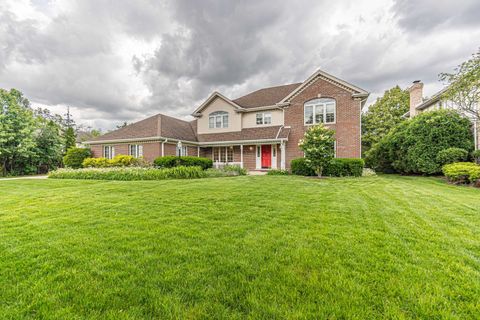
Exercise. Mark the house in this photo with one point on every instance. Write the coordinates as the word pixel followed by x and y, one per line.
pixel 419 104
pixel 260 130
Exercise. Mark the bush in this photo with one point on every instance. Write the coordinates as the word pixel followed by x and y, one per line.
pixel 174 161
pixel 452 155
pixel 129 173
pixel 75 156
pixel 343 167
pixel 412 147
pixel 462 172
pixel 337 167
pixel 96 163
pixel 476 156
pixel 300 167
pixel 277 172
pixel 367 172
pixel 123 161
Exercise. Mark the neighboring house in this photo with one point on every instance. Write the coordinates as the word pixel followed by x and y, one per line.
pixel 82 136
pixel 260 130
pixel 418 105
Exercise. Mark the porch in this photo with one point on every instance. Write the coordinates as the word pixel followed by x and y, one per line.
pixel 261 156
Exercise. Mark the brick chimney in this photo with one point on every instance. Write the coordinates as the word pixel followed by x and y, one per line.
pixel 416 96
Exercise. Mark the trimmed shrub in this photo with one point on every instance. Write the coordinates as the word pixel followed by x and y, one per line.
pixel 123 161
pixel 462 172
pixel 187 161
pixel 476 156
pixel 96 163
pixel 344 167
pixel 452 155
pixel 300 167
pixel 412 147
pixel 75 156
pixel 337 167
pixel 129 173
pixel 277 172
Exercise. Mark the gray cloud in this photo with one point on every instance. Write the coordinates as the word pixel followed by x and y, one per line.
pixel 426 15
pixel 124 60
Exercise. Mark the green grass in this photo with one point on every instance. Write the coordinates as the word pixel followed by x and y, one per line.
pixel 259 247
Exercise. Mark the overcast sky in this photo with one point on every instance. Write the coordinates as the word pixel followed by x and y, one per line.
pixel 121 60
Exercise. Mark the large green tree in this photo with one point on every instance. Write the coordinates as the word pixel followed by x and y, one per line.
pixel 383 115
pixel 17 125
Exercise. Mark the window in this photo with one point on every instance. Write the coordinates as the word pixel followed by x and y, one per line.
pixel 264 118
pixel 319 111
pixel 136 150
pixel 218 119
pixel 108 152
pixel 181 151
pixel 223 154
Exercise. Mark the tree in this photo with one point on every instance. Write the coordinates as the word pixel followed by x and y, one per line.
pixel 123 125
pixel 464 87
pixel 318 146
pixel 70 138
pixel 383 115
pixel 414 145
pixel 48 145
pixel 16 130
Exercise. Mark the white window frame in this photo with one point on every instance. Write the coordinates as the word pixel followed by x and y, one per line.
pixel 109 152
pixel 264 116
pixel 320 103
pixel 223 154
pixel 181 151
pixel 135 150
pixel 218 120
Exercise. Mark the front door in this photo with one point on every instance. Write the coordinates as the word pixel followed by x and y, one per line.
pixel 266 156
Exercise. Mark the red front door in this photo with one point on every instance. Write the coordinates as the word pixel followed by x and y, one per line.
pixel 266 156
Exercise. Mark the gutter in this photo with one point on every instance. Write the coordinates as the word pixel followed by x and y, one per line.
pixel 158 138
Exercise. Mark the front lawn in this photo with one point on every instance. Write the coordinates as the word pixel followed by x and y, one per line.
pixel 245 247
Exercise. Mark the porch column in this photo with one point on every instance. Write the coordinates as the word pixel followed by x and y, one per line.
pixel 198 151
pixel 241 155
pixel 282 155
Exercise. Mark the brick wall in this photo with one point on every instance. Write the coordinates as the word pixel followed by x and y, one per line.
pixel 347 126
pixel 151 151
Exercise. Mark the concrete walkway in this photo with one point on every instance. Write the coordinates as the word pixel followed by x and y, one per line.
pixel 25 178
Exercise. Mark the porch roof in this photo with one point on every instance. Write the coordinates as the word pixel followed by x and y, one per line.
pixel 272 134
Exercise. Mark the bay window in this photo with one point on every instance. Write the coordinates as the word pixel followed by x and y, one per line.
pixel 320 111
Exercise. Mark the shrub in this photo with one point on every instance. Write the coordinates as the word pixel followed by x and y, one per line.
pixel 462 172
pixel 367 172
pixel 451 155
pixel 337 167
pixel 476 156
pixel 96 163
pixel 412 147
pixel 174 161
pixel 123 161
pixel 129 173
pixel 300 167
pixel 75 156
pixel 318 146
pixel 343 167
pixel 277 172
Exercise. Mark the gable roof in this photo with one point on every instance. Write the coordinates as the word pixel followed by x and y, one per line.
pixel 266 96
pixel 435 98
pixel 212 97
pixel 356 91
pixel 155 126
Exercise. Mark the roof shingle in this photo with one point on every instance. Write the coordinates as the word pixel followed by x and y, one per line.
pixel 266 97
pixel 246 134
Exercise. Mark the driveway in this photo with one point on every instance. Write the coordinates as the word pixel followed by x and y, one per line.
pixel 25 178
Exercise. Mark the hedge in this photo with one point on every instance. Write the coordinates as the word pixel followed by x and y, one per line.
pixel 412 146
pixel 187 161
pixel 462 173
pixel 452 155
pixel 75 156
pixel 129 173
pixel 277 172
pixel 117 161
pixel 338 167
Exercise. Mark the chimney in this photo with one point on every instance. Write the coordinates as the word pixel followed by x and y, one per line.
pixel 416 96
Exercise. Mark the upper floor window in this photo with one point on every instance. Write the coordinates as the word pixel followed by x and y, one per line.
pixel 108 152
pixel 218 119
pixel 264 118
pixel 320 111
pixel 136 150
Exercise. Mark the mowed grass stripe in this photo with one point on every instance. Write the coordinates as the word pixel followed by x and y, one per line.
pixel 244 247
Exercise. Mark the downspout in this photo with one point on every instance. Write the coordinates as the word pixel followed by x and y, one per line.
pixel 163 147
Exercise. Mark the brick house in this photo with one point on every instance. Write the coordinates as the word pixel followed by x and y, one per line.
pixel 260 130
pixel 419 104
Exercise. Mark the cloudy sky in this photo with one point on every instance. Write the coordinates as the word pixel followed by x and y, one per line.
pixel 120 60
